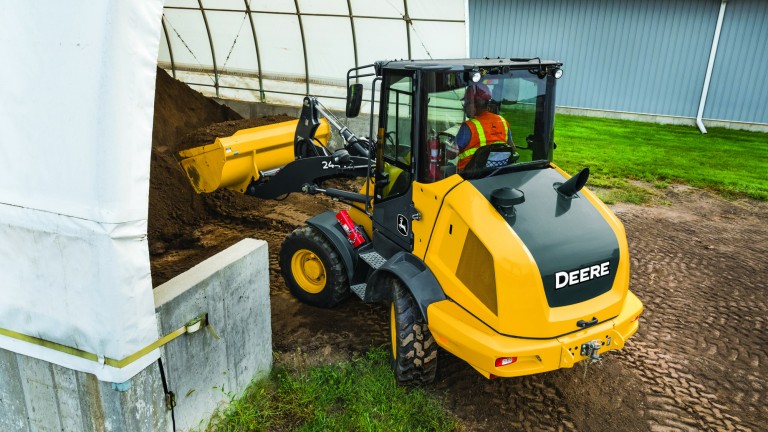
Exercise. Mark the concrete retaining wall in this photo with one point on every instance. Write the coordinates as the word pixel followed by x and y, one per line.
pixel 201 370
pixel 36 395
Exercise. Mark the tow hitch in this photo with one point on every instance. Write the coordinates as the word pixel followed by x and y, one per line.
pixel 591 348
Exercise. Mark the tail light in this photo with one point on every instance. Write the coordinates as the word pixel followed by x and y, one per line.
pixel 503 361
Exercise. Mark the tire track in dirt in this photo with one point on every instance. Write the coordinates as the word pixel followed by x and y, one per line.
pixel 701 350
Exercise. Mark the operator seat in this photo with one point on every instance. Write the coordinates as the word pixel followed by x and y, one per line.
pixel 492 156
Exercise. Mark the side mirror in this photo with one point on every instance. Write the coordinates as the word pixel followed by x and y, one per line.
pixel 354 100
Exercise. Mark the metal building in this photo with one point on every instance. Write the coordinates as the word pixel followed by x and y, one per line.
pixel 640 59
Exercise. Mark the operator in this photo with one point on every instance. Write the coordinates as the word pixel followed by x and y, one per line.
pixel 482 128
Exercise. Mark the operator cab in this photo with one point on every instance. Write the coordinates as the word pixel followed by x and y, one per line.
pixel 421 112
pixel 422 109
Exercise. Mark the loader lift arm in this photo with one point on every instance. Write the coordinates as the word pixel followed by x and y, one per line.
pixel 314 163
pixel 310 121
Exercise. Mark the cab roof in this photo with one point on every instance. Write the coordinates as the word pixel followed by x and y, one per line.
pixel 465 64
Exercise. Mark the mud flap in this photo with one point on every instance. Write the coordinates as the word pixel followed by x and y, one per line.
pixel 329 226
pixel 416 276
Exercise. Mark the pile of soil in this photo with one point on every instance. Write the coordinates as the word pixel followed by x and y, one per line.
pixel 184 118
pixel 698 362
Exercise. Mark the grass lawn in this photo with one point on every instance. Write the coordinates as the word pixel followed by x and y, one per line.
pixel 359 395
pixel 731 162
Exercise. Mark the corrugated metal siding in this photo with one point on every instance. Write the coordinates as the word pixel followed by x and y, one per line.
pixel 739 88
pixel 635 56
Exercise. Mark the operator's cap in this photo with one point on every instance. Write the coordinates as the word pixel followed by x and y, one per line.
pixel 478 92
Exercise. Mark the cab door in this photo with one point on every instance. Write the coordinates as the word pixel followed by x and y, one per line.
pixel 393 204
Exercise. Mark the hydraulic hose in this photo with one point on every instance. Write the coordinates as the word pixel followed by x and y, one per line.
pixel 349 137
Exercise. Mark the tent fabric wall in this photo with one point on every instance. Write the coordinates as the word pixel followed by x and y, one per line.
pixel 279 51
pixel 74 262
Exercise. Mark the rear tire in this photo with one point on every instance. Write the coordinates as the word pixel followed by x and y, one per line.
pixel 413 351
pixel 312 268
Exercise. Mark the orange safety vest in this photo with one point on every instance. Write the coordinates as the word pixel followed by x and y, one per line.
pixel 486 128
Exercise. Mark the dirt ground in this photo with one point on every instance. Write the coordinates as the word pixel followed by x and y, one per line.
pixel 698 362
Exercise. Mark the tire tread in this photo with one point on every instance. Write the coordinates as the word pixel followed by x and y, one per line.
pixel 337 283
pixel 416 358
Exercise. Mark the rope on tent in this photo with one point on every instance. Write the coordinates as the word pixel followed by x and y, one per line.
pixel 213 80
pixel 421 41
pixel 224 66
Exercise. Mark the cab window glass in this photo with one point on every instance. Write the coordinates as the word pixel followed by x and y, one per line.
pixel 518 96
pixel 519 106
pixel 397 136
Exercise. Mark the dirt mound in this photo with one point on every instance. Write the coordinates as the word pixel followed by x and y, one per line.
pixel 180 110
pixel 185 118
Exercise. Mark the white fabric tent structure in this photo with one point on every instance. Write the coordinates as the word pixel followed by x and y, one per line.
pixel 77 94
pixel 78 87
pixel 279 51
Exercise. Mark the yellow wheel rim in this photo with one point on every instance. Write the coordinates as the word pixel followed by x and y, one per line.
pixel 393 330
pixel 308 271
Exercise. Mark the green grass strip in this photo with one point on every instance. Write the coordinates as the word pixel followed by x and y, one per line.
pixel 359 395
pixel 730 162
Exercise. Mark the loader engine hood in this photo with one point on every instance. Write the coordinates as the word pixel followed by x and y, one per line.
pixel 575 249
pixel 542 272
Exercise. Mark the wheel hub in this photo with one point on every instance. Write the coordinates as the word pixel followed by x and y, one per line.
pixel 308 271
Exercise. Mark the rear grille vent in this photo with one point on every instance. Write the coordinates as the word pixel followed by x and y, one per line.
pixel 476 271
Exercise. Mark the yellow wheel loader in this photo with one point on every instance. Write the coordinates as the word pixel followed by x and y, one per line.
pixel 509 264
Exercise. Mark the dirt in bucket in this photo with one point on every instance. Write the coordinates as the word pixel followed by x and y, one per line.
pixel 180 221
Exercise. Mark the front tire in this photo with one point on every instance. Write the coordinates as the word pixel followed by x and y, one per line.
pixel 312 268
pixel 413 351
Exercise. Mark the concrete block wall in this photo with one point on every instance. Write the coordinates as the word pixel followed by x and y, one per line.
pixel 202 371
pixel 36 395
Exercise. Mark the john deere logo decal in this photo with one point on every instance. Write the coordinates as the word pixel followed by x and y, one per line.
pixel 564 279
pixel 402 225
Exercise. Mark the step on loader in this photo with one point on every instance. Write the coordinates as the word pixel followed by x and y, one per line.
pixel 484 248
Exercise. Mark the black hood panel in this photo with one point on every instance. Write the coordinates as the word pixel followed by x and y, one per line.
pixel 575 249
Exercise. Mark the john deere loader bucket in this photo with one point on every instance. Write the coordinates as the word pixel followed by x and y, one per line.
pixel 232 162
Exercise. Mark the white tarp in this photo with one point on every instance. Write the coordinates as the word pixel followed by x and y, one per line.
pixel 287 42
pixel 76 106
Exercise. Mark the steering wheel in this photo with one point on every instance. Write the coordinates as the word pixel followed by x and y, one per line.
pixel 389 136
